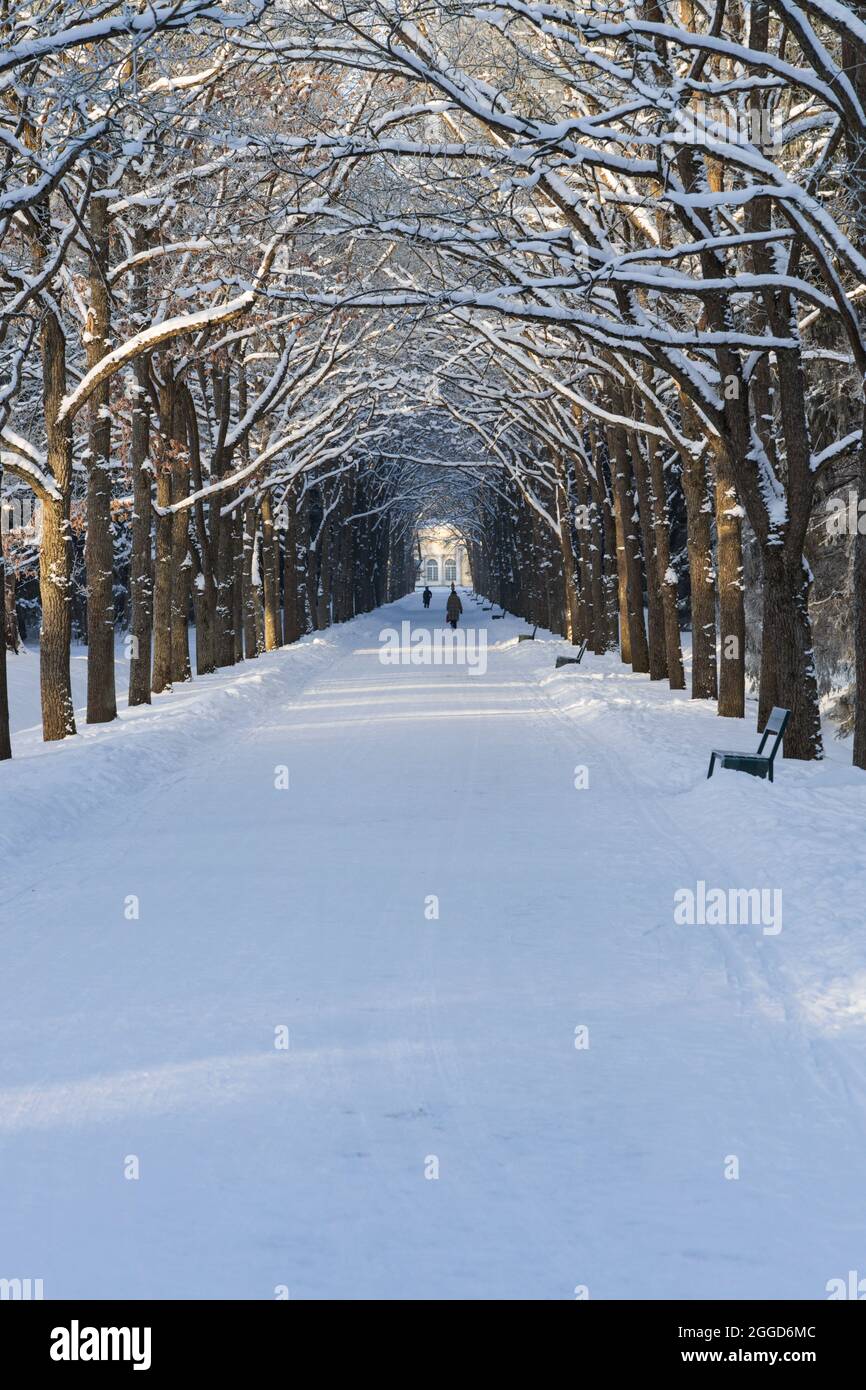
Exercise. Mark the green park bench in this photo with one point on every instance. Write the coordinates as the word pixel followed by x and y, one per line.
pixel 758 764
pixel 528 636
pixel 571 660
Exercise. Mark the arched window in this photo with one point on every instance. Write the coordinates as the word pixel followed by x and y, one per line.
pixel 450 571
pixel 432 575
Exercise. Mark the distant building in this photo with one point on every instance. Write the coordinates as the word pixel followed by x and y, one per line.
pixel 443 556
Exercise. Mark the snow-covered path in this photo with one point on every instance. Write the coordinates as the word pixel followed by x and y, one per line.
pixel 415 1038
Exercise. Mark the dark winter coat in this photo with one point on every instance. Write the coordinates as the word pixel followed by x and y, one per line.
pixel 453 607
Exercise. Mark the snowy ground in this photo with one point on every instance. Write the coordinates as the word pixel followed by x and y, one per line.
pixel 413 1039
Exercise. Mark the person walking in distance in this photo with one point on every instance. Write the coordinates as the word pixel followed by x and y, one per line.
pixel 426 596
pixel 453 608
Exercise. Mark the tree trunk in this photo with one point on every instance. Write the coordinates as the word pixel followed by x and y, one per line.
pixel 311 587
pixel 323 591
pixel 251 592
pixel 633 643
pixel 225 635
pixel 732 613
pixel 55 552
pixel 292 608
pixel 788 675
pixel 181 561
pixel 702 575
pixel 658 666
pixel 10 607
pixel 162 600
pixel 238 583
pixel 604 535
pixel 141 559
pixel 666 575
pixel 99 545
pixel 202 568
pixel 269 576
pixel 573 629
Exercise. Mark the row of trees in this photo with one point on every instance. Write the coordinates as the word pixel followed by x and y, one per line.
pixel 660 205
pixel 163 404
pixel 585 280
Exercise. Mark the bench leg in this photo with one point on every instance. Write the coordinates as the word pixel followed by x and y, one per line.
pixel 712 765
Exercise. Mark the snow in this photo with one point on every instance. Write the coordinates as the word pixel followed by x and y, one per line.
pixel 414 1037
pixel 28 463
pixel 146 341
pixel 82 35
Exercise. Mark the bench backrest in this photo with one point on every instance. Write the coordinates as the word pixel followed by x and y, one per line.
pixel 774 729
